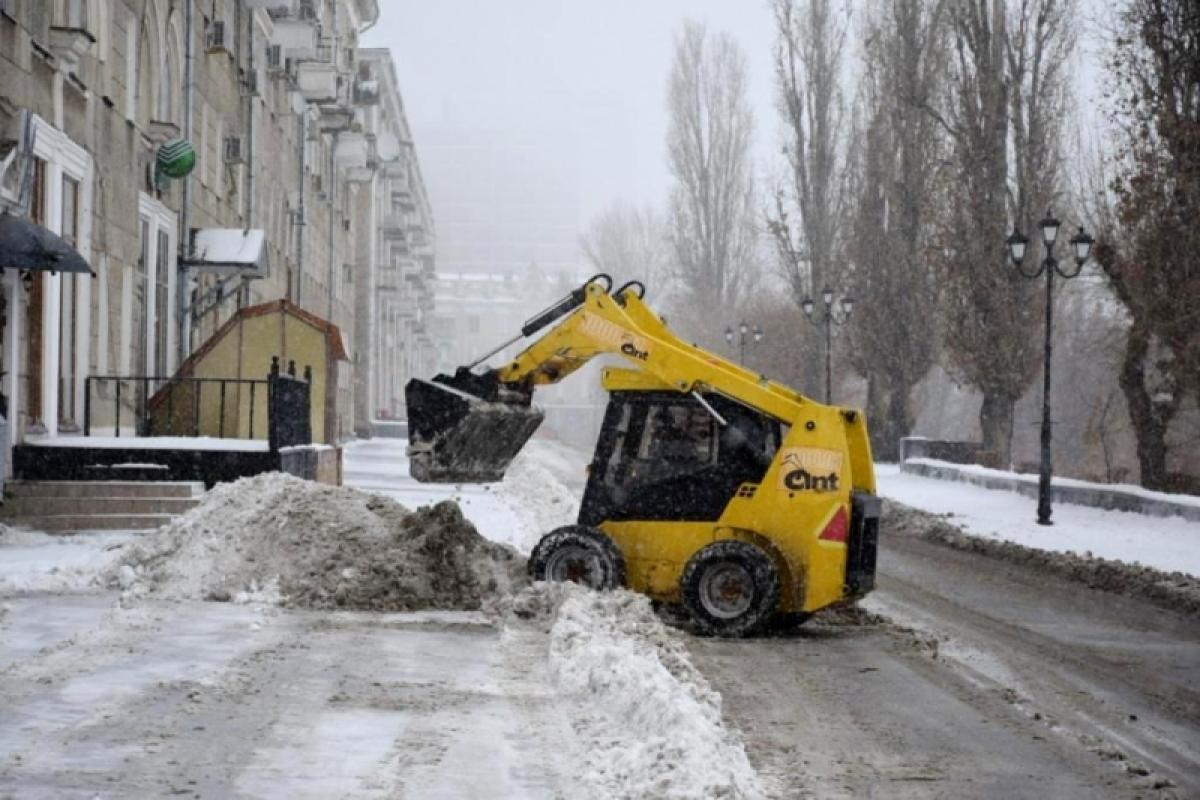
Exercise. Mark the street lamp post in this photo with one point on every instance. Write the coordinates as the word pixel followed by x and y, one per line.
pixel 1081 243
pixel 828 318
pixel 743 330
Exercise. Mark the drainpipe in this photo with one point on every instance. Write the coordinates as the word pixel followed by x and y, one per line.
pixel 333 198
pixel 185 214
pixel 250 121
pixel 333 175
pixel 243 296
pixel 301 211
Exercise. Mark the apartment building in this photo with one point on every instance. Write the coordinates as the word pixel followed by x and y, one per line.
pixel 300 155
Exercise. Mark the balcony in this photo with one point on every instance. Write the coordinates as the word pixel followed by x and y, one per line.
pixel 353 151
pixel 68 44
pixel 394 228
pixel 335 119
pixel 297 37
pixel 402 195
pixel 317 81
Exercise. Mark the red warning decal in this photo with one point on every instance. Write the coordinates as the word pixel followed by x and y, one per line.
pixel 838 528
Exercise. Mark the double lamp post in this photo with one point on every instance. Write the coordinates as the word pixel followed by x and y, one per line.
pixel 1081 244
pixel 828 317
pixel 743 332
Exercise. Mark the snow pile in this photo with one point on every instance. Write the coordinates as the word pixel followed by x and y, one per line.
pixel 538 498
pixel 278 539
pixel 1174 591
pixel 649 722
pixel 37 562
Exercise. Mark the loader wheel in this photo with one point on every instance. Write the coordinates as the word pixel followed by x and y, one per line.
pixel 730 588
pixel 578 554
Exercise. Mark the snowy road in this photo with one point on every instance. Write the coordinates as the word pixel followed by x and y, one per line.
pixel 218 700
pixel 1009 686
pixel 981 679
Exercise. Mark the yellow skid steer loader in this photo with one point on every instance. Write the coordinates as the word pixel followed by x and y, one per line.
pixel 711 487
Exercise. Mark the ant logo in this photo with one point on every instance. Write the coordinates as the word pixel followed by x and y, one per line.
pixel 801 479
pixel 631 350
pixel 810 469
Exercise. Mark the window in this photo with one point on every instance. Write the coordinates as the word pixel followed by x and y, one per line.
pixel 131 68
pixel 67 316
pixel 165 110
pixel 72 14
pixel 138 349
pixel 162 300
pixel 664 457
pixel 473 323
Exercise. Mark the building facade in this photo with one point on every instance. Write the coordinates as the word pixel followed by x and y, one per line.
pixel 301 151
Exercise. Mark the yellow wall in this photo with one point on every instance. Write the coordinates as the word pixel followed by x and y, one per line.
pixel 245 351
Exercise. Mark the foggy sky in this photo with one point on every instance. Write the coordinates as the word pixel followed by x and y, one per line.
pixel 555 108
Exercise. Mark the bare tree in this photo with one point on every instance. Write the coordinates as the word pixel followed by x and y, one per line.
pixel 629 242
pixel 1039 43
pixel 1001 85
pixel 712 229
pixel 895 167
pixel 806 220
pixel 1149 251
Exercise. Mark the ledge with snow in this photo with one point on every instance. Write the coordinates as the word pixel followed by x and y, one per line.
pixel 1170 544
pixel 168 458
pixel 1114 497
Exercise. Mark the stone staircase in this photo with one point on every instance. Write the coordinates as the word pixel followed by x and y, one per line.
pixel 72 506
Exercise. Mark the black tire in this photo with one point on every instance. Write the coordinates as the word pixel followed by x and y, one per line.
pixel 580 554
pixel 746 597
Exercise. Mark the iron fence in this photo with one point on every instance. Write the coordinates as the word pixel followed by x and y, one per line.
pixel 185 406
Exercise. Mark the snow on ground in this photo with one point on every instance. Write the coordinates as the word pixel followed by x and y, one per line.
pixel 36 562
pixel 651 725
pixel 532 500
pixel 1170 544
pixel 593 698
pixel 538 498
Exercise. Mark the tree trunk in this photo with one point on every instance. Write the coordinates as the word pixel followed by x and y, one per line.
pixel 1149 423
pixel 899 417
pixel 889 414
pixel 877 418
pixel 996 422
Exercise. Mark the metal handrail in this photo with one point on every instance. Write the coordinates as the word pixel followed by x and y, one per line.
pixel 167 381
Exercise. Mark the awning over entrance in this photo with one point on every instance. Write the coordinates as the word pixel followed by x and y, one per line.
pixel 230 251
pixel 27 246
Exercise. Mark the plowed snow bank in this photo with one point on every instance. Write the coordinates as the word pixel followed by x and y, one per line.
pixel 540 500
pixel 648 722
pixel 275 538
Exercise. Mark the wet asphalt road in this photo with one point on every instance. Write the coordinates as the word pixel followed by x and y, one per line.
pixel 986 680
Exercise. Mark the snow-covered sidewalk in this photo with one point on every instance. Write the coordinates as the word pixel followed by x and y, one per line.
pixel 557 692
pixel 1170 544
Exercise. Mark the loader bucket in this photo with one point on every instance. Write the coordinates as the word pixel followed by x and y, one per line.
pixel 457 437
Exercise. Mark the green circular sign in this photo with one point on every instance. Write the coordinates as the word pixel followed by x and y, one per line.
pixel 176 158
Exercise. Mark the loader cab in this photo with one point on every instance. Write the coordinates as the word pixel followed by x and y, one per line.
pixel 664 456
